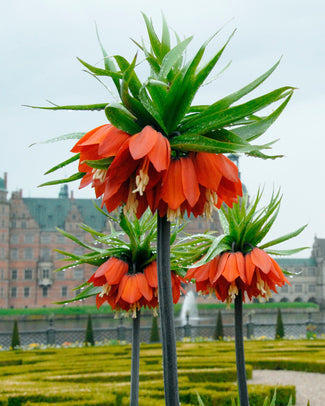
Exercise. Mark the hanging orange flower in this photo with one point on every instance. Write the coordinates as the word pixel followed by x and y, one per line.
pixel 99 143
pixel 255 273
pixel 124 290
pixel 198 183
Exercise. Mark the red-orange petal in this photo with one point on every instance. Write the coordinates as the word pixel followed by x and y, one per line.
pixel 143 142
pixel 221 266
pixel 225 166
pixel 249 268
pixel 172 191
pixel 115 270
pixel 144 287
pixel 189 180
pixel 112 141
pixel 128 289
pixel 88 138
pixel 159 155
pixel 208 174
pixel 241 266
pixel 150 272
pixel 261 259
pixel 231 271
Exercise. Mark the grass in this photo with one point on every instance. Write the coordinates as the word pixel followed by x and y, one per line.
pixel 101 375
pixel 79 310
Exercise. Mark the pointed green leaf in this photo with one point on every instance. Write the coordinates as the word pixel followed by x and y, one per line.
pixel 91 107
pixel 151 108
pixel 154 40
pixel 283 238
pixel 100 163
pixel 193 142
pixel 252 131
pixel 165 37
pixel 108 62
pixel 121 118
pixel 211 120
pixel 171 58
pixel 71 178
pixel 233 97
pixel 99 71
pixel 286 252
pixel 63 164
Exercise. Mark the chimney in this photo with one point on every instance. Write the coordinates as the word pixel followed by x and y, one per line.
pixel 5 178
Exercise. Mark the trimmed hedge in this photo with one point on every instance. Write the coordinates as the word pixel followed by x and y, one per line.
pixel 92 376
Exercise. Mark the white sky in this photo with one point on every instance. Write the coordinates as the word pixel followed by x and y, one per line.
pixel 40 41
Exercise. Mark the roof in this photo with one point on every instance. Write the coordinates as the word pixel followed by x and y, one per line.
pixel 52 212
pixel 296 262
pixel 2 184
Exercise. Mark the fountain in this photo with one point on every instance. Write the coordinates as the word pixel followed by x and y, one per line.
pixel 189 313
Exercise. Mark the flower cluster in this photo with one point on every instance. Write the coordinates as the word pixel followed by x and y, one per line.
pixel 128 289
pixel 236 261
pixel 142 173
pixel 254 273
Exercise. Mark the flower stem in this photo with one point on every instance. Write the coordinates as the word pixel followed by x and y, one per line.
pixel 134 391
pixel 240 353
pixel 167 313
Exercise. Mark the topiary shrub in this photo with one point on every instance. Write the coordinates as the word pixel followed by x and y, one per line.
pixel 89 338
pixel 279 330
pixel 219 332
pixel 154 334
pixel 15 340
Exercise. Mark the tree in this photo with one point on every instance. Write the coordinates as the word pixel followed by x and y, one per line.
pixel 279 330
pixel 89 338
pixel 15 340
pixel 219 332
pixel 154 334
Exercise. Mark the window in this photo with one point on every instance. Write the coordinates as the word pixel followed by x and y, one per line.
pixel 45 291
pixel 23 224
pixel 14 292
pixel 60 238
pixel 28 274
pixel 78 274
pixel 64 291
pixel 28 253
pixel 29 238
pixel 14 239
pixel 45 273
pixel 2 293
pixel 3 253
pixel 59 275
pixel 14 253
pixel 45 253
pixel 14 274
pixel 26 292
pixel 2 274
pixel 284 289
pixel 311 288
pixel 298 288
pixel 45 238
pixel 312 272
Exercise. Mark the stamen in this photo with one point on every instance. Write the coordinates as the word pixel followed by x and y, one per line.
pixel 106 289
pixel 99 174
pixel 142 179
pixel 232 291
pixel 174 215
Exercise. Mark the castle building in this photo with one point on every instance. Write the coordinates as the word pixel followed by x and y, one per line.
pixel 29 239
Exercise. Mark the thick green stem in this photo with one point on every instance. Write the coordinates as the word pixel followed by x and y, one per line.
pixel 134 391
pixel 167 313
pixel 240 352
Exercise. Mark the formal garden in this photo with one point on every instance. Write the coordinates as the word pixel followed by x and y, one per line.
pixel 100 375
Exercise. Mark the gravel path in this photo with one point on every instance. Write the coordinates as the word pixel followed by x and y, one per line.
pixel 309 386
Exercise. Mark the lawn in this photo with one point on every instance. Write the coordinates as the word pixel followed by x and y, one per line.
pixel 100 375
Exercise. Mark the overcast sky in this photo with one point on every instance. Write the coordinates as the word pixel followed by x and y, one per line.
pixel 41 39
